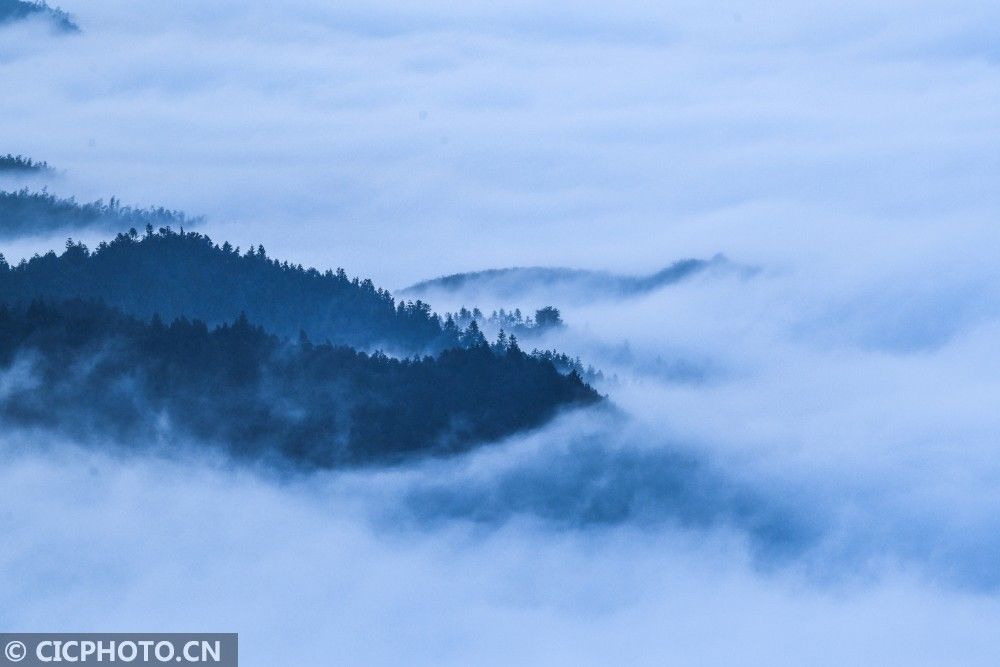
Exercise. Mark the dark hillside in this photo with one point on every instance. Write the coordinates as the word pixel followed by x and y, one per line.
pixel 91 372
pixel 26 213
pixel 18 10
pixel 184 274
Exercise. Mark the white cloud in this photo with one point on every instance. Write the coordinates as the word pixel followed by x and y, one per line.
pixel 847 148
pixel 133 545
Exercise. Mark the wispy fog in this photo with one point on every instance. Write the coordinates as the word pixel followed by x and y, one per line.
pixel 413 141
pixel 307 577
pixel 801 466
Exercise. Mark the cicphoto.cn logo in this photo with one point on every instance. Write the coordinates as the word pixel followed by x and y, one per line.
pixel 134 649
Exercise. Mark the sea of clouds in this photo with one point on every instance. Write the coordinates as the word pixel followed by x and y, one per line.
pixel 802 467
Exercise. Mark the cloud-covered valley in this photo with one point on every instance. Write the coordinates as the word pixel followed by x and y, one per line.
pixel 801 463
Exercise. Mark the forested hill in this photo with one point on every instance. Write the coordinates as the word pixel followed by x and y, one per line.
pixel 88 371
pixel 19 164
pixel 17 10
pixel 177 274
pixel 26 213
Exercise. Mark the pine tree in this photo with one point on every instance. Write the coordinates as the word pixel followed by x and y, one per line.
pixel 473 337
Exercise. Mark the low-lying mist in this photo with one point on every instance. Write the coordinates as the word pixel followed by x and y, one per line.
pixel 801 466
pixel 326 569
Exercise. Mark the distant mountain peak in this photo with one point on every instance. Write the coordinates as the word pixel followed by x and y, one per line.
pixel 517 281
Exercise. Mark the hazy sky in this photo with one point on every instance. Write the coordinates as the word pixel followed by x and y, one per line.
pixel 408 139
pixel 846 393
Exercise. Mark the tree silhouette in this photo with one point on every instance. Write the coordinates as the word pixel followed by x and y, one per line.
pixel 186 274
pixel 256 395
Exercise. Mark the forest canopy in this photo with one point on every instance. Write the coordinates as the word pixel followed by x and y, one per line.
pixel 22 164
pixel 27 213
pixel 184 274
pixel 166 334
pixel 88 370
pixel 17 10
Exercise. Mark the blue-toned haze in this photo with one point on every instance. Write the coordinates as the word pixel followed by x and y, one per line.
pixel 805 467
